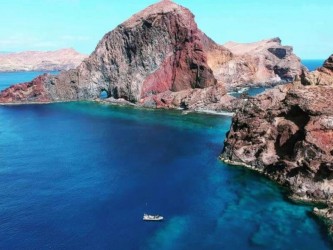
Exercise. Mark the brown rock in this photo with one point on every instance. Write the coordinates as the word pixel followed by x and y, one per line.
pixel 321 76
pixel 159 58
pixel 157 50
pixel 266 62
pixel 287 133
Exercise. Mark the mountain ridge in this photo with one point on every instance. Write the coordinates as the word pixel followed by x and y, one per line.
pixel 62 59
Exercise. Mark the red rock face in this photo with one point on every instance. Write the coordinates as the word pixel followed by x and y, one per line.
pixel 186 67
pixel 159 81
pixel 33 91
pixel 158 49
pixel 161 50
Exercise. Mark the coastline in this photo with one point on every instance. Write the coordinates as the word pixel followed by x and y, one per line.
pixel 324 213
pixel 129 104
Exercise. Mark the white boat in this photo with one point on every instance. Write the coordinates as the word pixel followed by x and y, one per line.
pixel 148 217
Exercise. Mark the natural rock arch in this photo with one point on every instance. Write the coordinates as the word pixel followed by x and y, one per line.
pixel 104 94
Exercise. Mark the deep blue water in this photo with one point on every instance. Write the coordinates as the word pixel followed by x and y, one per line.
pixel 81 175
pixel 313 64
pixel 9 78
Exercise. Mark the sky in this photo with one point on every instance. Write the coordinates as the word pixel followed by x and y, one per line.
pixel 80 24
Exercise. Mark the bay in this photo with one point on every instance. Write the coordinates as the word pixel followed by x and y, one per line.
pixel 80 175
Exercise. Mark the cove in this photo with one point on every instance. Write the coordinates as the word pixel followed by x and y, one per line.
pixel 81 175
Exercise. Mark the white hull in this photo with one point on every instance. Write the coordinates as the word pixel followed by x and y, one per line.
pixel 147 217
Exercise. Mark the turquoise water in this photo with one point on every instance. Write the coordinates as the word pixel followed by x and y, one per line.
pixel 81 175
pixel 9 78
pixel 250 91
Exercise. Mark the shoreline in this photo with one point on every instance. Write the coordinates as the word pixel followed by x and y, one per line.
pixel 128 104
pixel 325 213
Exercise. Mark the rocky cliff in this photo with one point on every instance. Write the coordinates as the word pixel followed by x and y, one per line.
pixel 321 76
pixel 159 58
pixel 63 59
pixel 266 62
pixel 157 50
pixel 287 134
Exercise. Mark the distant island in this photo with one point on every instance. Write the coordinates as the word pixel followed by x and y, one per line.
pixel 63 59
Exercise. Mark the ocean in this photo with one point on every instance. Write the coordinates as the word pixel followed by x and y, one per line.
pixel 312 64
pixel 9 78
pixel 81 175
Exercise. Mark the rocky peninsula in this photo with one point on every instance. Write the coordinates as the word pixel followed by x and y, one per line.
pixel 287 134
pixel 63 59
pixel 159 58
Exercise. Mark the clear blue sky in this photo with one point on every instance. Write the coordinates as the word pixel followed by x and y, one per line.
pixel 80 24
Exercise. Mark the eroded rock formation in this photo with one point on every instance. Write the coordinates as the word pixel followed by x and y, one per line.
pixel 157 50
pixel 321 76
pixel 287 134
pixel 267 62
pixel 159 58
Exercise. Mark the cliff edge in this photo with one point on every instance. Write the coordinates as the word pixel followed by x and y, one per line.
pixel 287 134
pixel 158 50
pixel 266 62
pixel 159 58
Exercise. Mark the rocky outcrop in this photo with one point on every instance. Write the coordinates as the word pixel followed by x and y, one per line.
pixel 321 76
pixel 287 134
pixel 267 62
pixel 159 58
pixel 63 59
pixel 158 50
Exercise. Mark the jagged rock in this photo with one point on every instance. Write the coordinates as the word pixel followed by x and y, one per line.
pixel 159 58
pixel 157 50
pixel 63 59
pixel 287 134
pixel 267 62
pixel 321 76
pixel 328 64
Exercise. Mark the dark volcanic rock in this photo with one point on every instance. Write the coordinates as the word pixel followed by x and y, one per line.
pixel 287 134
pixel 157 50
pixel 328 64
pixel 159 58
pixel 321 76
